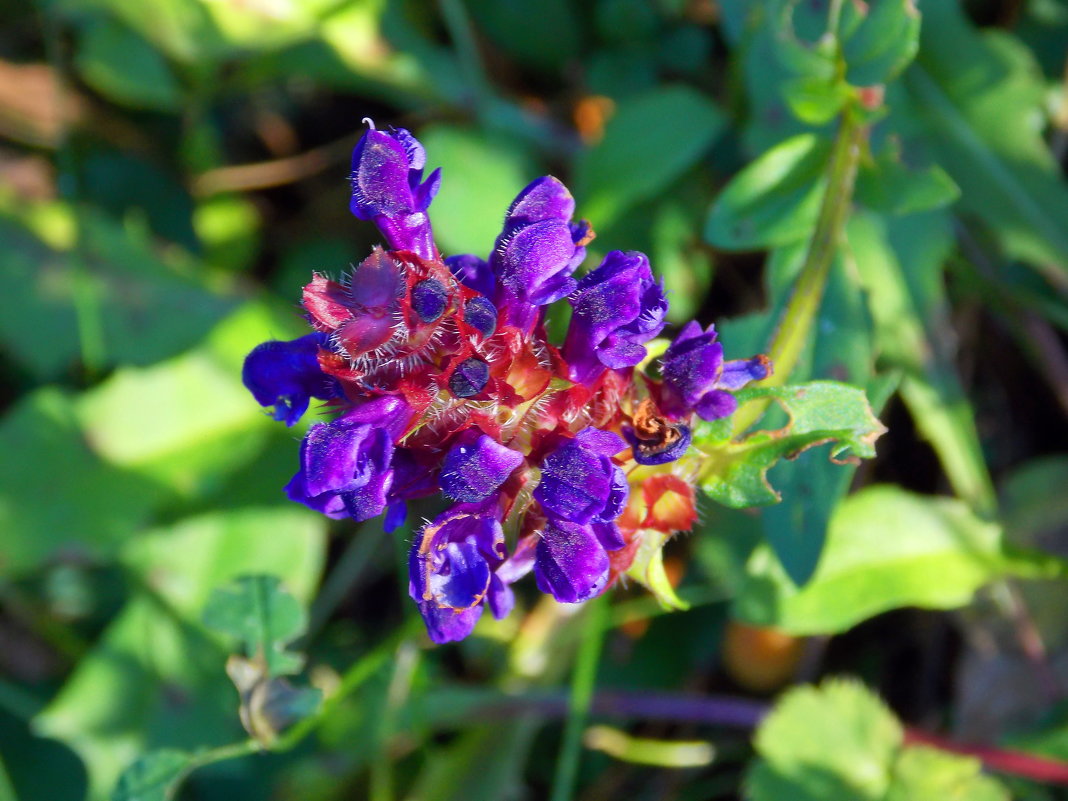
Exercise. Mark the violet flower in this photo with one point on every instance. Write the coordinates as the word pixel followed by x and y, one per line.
pixel 696 378
pixel 579 482
pixel 286 375
pixel 571 561
pixel 618 308
pixel 476 466
pixel 387 189
pixel 537 251
pixel 451 571
pixel 346 464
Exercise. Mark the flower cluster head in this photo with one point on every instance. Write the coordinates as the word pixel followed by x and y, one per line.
pixel 438 378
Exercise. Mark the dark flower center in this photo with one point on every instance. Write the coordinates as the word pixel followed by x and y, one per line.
pixel 469 378
pixel 429 299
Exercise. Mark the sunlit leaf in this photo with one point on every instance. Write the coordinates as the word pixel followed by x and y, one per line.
pixel 886 548
pixel 774 200
pixel 793 743
pixel 663 132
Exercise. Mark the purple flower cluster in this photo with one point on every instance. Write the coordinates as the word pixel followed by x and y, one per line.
pixel 440 379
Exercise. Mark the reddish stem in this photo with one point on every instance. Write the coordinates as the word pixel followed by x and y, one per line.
pixel 1015 763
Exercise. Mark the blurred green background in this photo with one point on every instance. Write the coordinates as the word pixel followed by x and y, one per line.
pixel 172 172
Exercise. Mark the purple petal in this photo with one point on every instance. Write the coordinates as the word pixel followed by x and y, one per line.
pixel 500 599
pixel 739 372
pixel 653 453
pixel 716 404
pixel 286 375
pixel 396 514
pixel 533 262
pixel 462 577
pixel 578 481
pixel 609 535
pixel 447 625
pixel 543 199
pixel 603 443
pixel 473 272
pixel 475 470
pixel 571 564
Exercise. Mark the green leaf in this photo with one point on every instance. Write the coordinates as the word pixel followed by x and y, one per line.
pixel 878 39
pixel 153 777
pixel 56 495
pixel 886 548
pixel 773 201
pixel 977 95
pixel 831 743
pixel 820 411
pixel 184 423
pixel 257 611
pixel 145 308
pixel 815 100
pixel 651 140
pixel 899 261
pixel 481 175
pixel 124 67
pixel 921 772
pixel 839 742
pixel 888 186
pixel 155 678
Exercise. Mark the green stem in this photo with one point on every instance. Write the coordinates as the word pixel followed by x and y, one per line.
pixel 796 324
pixel 583 681
pixel 7 789
pixel 353 679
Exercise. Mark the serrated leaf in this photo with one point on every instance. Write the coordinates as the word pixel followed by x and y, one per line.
pixel 153 777
pixel 820 412
pixel 606 181
pixel 773 201
pixel 921 772
pixel 878 39
pixel 836 741
pixel 886 548
pixel 257 611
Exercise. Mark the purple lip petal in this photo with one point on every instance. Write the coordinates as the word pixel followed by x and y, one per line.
pixel 543 199
pixel 475 468
pixel 447 625
pixel 286 375
pixel 387 171
pixel 579 483
pixel 618 307
pixel 571 564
